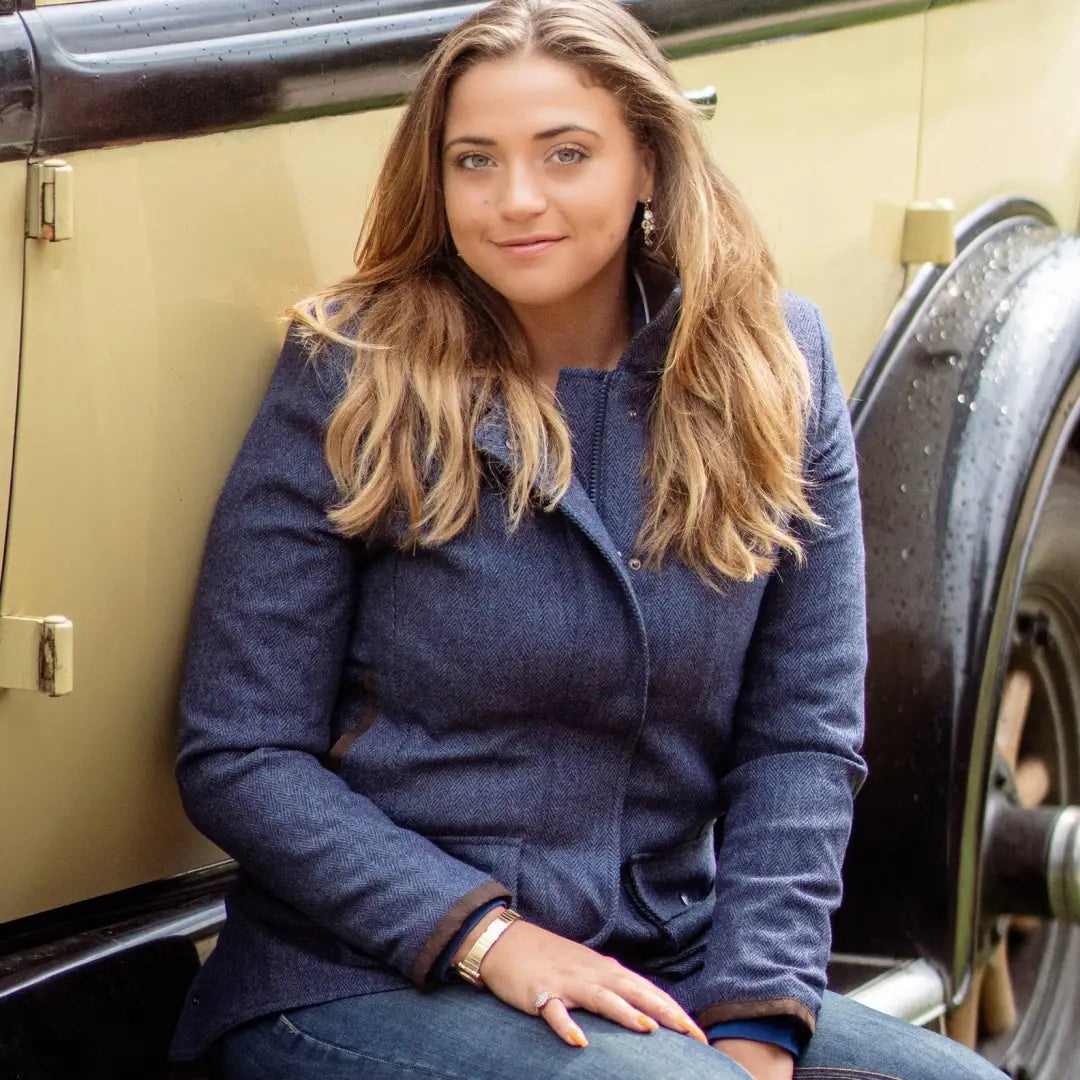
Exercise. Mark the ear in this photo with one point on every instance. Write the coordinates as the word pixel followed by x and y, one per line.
pixel 648 173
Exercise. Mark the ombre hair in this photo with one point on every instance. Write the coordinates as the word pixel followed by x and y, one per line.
pixel 436 348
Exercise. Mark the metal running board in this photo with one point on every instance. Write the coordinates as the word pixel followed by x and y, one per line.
pixel 195 921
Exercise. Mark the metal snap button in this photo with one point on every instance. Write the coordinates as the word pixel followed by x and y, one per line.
pixel 685 899
pixel 634 564
pixel 632 414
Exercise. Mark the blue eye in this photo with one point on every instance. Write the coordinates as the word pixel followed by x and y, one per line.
pixel 469 161
pixel 569 155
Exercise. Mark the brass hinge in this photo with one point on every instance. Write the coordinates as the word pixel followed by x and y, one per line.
pixel 37 654
pixel 50 210
pixel 929 233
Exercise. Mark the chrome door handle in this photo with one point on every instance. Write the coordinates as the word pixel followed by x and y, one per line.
pixel 704 99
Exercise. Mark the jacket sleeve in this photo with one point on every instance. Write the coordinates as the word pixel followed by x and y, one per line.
pixel 795 763
pixel 268 640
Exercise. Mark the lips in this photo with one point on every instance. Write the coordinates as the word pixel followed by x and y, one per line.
pixel 527 246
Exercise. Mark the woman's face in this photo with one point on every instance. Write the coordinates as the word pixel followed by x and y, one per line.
pixel 541 176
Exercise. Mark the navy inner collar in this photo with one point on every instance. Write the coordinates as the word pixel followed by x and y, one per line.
pixel 640 315
pixel 654 291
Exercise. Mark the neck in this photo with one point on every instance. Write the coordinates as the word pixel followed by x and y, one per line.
pixel 590 329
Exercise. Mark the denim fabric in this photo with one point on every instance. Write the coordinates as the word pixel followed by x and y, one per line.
pixel 659 770
pixel 461 1034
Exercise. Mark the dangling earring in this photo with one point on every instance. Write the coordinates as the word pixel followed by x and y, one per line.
pixel 648 225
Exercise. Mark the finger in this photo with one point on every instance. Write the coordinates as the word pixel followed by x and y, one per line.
pixel 605 1002
pixel 652 1001
pixel 559 1020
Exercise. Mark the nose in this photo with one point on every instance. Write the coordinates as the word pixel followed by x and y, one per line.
pixel 522 195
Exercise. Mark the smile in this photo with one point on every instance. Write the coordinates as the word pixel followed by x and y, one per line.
pixel 529 247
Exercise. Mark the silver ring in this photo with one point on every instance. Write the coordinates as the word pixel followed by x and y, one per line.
pixel 543 999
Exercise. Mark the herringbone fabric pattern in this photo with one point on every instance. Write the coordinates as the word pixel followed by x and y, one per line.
pixel 551 718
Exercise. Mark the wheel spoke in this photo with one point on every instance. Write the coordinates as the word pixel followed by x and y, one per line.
pixel 998 1009
pixel 1032 787
pixel 1032 781
pixel 1025 924
pixel 1015 699
pixel 990 1000
pixel 962 1024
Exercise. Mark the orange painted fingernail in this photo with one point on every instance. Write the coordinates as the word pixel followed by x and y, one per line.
pixel 647 1021
pixel 693 1030
pixel 577 1037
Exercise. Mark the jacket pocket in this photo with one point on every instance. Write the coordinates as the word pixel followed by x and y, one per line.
pixel 675 889
pixel 334 757
pixel 499 856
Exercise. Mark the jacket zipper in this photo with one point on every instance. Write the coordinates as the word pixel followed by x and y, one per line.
pixel 592 488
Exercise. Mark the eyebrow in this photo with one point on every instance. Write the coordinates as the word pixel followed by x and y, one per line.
pixel 540 136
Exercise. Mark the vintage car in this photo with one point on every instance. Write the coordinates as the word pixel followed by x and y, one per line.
pixel 174 172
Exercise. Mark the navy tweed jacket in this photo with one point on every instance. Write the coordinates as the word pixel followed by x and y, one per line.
pixel 387 740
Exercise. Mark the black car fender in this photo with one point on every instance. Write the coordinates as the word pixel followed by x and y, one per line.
pixel 959 418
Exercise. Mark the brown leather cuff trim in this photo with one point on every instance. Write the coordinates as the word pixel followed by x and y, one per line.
pixel 756 1010
pixel 451 923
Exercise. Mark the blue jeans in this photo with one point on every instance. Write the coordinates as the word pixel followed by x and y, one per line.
pixel 458 1033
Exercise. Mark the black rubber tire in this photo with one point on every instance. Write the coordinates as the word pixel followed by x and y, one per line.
pixel 1045 964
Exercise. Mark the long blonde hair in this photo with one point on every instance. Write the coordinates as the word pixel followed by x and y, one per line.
pixel 436 347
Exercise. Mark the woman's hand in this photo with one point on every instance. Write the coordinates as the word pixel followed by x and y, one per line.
pixel 763 1061
pixel 527 959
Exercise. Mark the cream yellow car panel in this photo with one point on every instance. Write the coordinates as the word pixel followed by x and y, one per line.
pixel 148 341
pixel 1002 104
pixel 817 131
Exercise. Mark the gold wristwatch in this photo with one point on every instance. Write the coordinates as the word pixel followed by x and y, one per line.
pixel 468 967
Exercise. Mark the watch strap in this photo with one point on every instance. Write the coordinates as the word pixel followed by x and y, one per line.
pixel 468 967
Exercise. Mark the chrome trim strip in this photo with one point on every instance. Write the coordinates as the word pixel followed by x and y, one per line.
pixel 915 992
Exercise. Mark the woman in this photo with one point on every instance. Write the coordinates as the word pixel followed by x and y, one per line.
pixel 537 589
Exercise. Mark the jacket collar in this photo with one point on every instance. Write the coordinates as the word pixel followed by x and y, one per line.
pixel 654 291
pixel 644 357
